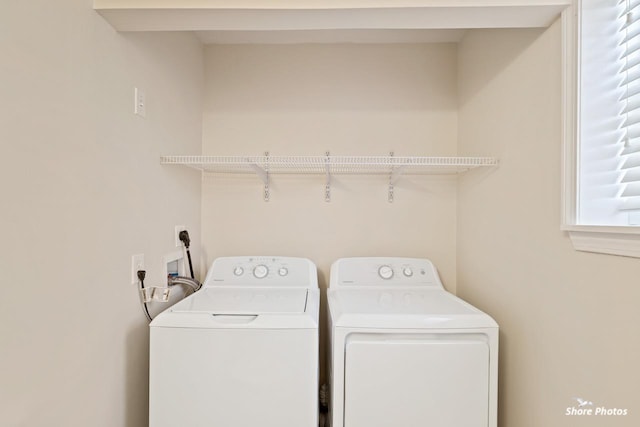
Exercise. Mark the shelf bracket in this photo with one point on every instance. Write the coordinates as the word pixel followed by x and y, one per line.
pixel 263 174
pixel 394 176
pixel 396 173
pixel 327 182
pixel 392 179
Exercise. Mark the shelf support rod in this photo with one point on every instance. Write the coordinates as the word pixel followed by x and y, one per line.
pixel 327 182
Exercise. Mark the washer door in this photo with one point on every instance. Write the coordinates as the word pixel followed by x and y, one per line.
pixel 435 380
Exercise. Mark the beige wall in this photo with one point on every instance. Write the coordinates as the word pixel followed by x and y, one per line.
pixel 569 320
pixel 349 100
pixel 82 190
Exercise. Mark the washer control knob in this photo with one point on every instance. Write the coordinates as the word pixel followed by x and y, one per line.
pixel 283 271
pixel 260 271
pixel 385 271
pixel 407 271
pixel 238 271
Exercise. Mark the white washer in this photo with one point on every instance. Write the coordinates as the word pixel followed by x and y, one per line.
pixel 404 351
pixel 242 351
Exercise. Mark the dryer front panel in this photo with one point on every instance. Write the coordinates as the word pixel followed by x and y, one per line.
pixel 435 380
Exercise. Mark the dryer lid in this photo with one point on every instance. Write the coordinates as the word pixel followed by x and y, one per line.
pixel 245 301
pixel 403 308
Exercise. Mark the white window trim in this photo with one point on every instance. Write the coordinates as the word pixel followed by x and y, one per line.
pixel 624 241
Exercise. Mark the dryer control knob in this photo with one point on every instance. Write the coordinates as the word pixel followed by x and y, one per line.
pixel 386 272
pixel 238 271
pixel 283 271
pixel 407 271
pixel 260 271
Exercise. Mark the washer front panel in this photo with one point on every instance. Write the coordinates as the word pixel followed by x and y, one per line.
pixel 229 378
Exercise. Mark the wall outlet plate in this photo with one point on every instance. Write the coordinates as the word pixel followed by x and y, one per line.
pixel 137 263
pixel 178 229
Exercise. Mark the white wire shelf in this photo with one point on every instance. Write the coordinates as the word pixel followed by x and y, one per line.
pixel 392 166
pixel 321 165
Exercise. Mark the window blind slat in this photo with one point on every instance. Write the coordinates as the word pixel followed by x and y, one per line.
pixel 630 77
pixel 632 105
pixel 631 40
pixel 630 19
pixel 630 64
pixel 631 33
pixel 631 161
pixel 631 203
pixel 630 149
pixel 630 92
pixel 632 118
pixel 628 5
pixel 632 175
pixel 632 132
pixel 632 142
pixel 632 190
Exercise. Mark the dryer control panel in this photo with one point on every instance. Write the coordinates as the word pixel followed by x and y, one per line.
pixel 267 271
pixel 384 271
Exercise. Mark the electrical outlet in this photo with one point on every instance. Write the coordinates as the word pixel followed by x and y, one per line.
pixel 178 229
pixel 137 263
pixel 140 99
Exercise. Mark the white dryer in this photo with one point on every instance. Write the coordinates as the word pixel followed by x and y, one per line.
pixel 242 351
pixel 404 351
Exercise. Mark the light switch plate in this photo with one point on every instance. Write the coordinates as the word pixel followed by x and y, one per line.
pixel 140 99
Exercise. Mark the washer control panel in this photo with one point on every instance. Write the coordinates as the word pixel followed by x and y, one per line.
pixel 375 271
pixel 262 271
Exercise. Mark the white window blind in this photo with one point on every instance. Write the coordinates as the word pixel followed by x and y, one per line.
pixel 601 94
pixel 630 33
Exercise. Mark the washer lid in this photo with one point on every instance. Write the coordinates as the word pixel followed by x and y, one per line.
pixel 244 308
pixel 245 301
pixel 403 308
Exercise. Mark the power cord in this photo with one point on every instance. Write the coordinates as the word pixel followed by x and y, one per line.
pixel 141 275
pixel 184 238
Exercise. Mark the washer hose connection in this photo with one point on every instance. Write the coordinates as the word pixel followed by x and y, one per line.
pixel 192 284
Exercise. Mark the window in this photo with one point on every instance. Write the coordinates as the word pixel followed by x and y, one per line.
pixel 602 126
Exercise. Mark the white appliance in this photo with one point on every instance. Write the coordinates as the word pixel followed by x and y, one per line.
pixel 404 351
pixel 242 351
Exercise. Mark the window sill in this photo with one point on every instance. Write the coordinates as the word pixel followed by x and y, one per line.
pixel 622 241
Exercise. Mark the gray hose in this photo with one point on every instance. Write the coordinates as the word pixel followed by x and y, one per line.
pixel 193 284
